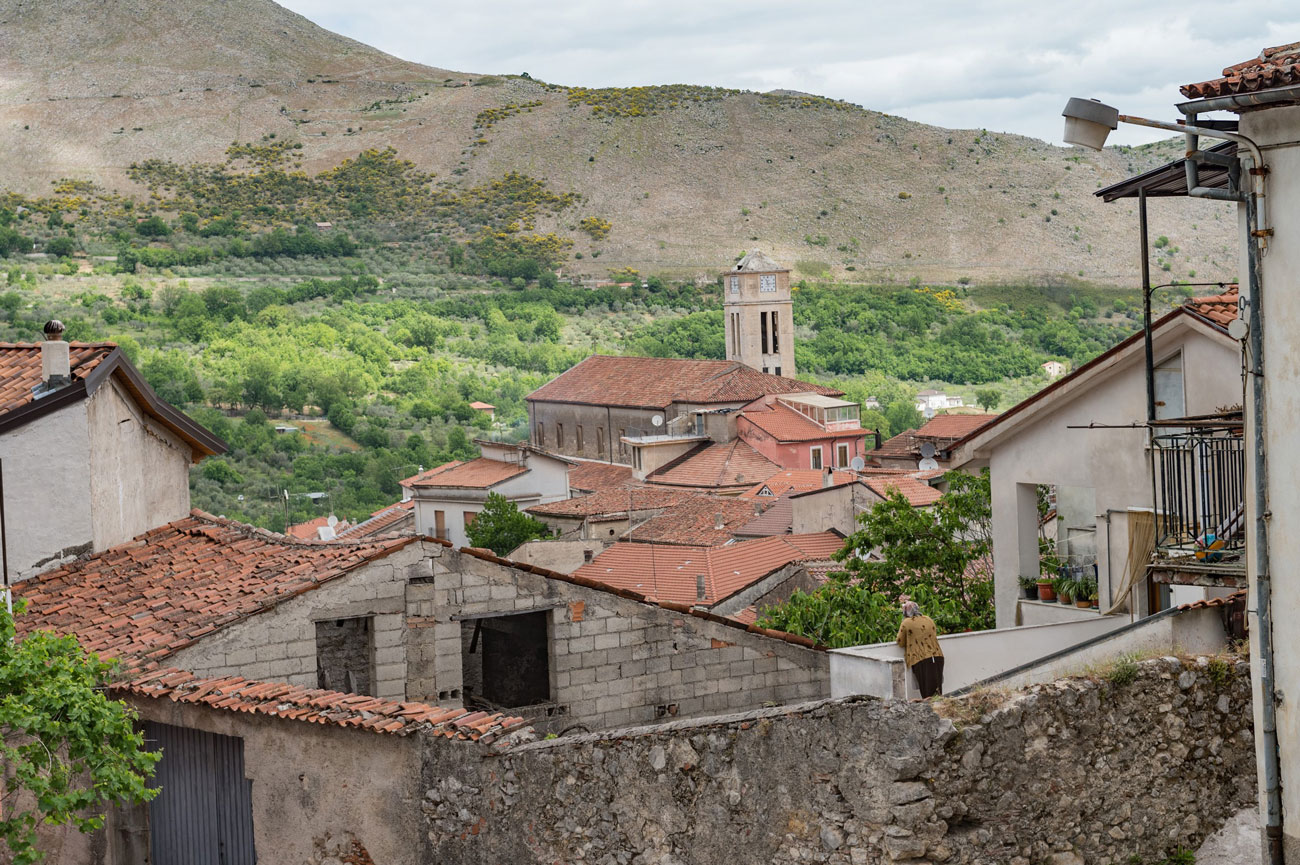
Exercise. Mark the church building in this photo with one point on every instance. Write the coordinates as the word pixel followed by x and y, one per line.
pixel 758 315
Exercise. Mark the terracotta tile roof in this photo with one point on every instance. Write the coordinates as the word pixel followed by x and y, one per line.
pixel 821 571
pixel 1207 603
pixel 747 616
pixel 407 482
pixel 917 493
pixel 720 465
pixel 310 530
pixel 777 519
pixel 1274 67
pixel 614 502
pixel 481 406
pixel 317 706
pixel 1220 309
pixel 797 480
pixel 666 572
pixel 480 473
pixel 694 522
pixel 787 425
pixel 901 446
pixel 143 600
pixel 658 382
pixel 20 368
pixel 950 427
pixel 395 518
pixel 591 477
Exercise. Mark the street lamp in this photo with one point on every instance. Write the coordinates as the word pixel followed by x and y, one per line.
pixel 1088 122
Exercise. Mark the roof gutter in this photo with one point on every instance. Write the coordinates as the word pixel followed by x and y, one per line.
pixel 1237 101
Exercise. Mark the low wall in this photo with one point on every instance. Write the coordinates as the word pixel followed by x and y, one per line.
pixel 1078 771
pixel 878 670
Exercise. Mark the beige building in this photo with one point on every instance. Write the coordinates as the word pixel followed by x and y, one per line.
pixel 91 456
pixel 758 314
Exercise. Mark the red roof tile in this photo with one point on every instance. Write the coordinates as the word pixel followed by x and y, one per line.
pixel 407 482
pixel 950 427
pixel 20 368
pixel 479 473
pixel 664 572
pixel 1208 603
pixel 317 706
pixel 1274 67
pixel 797 480
pixel 657 382
pixel 310 530
pixel 917 493
pixel 900 446
pixel 694 522
pixel 718 466
pixel 1219 308
pixel 777 519
pixel 614 502
pixel 145 599
pixel 591 476
pixel 481 406
pixel 787 425
pixel 395 518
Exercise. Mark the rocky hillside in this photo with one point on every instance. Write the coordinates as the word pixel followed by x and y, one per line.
pixel 687 176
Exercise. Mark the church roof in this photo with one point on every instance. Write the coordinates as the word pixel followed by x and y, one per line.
pixel 757 262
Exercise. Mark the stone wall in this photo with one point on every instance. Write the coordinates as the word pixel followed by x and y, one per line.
pixel 1079 771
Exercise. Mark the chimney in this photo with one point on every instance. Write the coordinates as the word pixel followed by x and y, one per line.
pixel 879 441
pixel 701 593
pixel 718 522
pixel 56 368
pixel 828 479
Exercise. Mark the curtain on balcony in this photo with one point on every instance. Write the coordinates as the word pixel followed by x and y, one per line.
pixel 1141 544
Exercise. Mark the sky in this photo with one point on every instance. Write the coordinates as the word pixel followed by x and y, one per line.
pixel 999 65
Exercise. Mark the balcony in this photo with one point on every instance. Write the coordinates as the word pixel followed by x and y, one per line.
pixel 1200 497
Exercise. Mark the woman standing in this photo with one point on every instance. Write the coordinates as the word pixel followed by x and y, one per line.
pixel 920 642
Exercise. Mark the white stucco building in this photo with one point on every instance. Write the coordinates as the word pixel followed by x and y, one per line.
pixel 91 457
pixel 449 497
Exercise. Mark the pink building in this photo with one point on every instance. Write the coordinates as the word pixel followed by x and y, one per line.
pixel 803 430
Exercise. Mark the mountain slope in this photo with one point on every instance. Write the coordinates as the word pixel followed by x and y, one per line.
pixel 688 176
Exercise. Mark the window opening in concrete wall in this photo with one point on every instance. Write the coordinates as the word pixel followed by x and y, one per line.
pixel 559 435
pixel 541 435
pixel 600 439
pixel 776 330
pixel 345 654
pixel 505 660
pixel 579 437
pixel 762 324
pixel 469 517
pixel 815 457
pixel 842 455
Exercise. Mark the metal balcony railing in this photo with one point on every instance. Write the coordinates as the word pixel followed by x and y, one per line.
pixel 1200 478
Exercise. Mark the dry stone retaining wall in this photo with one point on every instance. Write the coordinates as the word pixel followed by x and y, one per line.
pixel 1079 771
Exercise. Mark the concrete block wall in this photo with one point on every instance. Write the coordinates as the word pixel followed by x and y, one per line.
pixel 280 644
pixel 613 661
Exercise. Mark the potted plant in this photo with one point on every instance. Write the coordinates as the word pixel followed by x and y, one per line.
pixel 1093 598
pixel 1029 585
pixel 1045 590
pixel 1087 590
pixel 1064 587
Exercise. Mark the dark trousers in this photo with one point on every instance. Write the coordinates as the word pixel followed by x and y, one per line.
pixel 929 675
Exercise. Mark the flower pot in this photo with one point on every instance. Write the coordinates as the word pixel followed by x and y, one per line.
pixel 1046 592
pixel 1064 599
pixel 1031 592
pixel 1095 604
pixel 1083 604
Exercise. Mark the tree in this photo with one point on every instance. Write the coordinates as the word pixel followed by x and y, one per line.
pixel 987 398
pixel 60 247
pixel 500 527
pixel 940 557
pixel 68 750
pixel 154 226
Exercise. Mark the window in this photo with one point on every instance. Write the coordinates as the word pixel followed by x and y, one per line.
pixel 541 435
pixel 636 458
pixel 735 285
pixel 579 437
pixel 776 342
pixel 600 439
pixel 767 282
pixel 778 371
pixel 764 370
pixel 505 660
pixel 842 455
pixel 440 525
pixel 470 517
pixel 815 456
pixel 622 445
pixel 559 435
pixel 762 324
pixel 343 655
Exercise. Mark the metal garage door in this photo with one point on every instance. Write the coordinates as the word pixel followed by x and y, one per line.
pixel 204 814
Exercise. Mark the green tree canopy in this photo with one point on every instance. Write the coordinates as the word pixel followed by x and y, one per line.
pixel 988 398
pixel 500 527
pixel 940 557
pixel 68 750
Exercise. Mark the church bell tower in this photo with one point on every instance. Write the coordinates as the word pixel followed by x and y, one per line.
pixel 757 312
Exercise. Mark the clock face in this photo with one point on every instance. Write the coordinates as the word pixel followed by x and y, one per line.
pixel 767 282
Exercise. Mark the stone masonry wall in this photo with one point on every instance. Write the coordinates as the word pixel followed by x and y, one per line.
pixel 613 661
pixel 1079 771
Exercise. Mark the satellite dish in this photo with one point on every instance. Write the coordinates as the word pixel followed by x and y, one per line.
pixel 927 450
pixel 858 464
pixel 332 521
pixel 927 464
pixel 657 420
pixel 1238 329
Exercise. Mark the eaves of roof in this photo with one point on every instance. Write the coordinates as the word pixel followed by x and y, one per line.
pixel 202 443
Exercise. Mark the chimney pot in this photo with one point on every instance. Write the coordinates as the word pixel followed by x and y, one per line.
pixel 718 521
pixel 56 366
pixel 827 479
